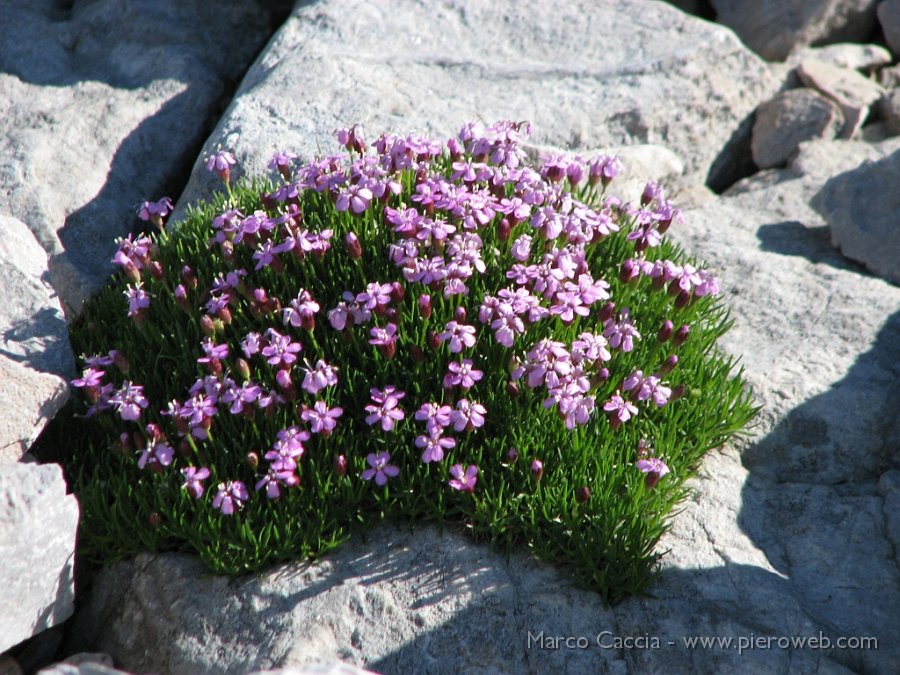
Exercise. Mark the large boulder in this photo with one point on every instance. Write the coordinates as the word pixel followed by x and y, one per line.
pixel 785 536
pixel 586 74
pixel 773 28
pixel 889 18
pixel 104 103
pixel 862 206
pixel 37 546
pixel 35 356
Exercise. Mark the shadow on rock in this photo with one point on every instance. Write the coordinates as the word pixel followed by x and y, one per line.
pixel 793 238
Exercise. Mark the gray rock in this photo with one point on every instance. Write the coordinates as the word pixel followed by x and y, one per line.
pixel 889 18
pixel 845 55
pixel 688 6
pixel 889 77
pixel 787 120
pixel 37 546
pixel 773 28
pixel 862 206
pixel 785 535
pixel 889 111
pixel 104 103
pixel 853 92
pixel 586 75
pixel 330 668
pixel 35 356
pixel 9 666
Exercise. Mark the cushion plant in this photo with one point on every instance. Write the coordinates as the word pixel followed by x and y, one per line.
pixel 420 331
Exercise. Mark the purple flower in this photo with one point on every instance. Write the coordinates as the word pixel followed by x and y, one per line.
pixel 250 345
pixel 383 337
pixel 385 410
pixel 281 161
pixel 433 447
pixel 379 468
pixel 356 198
pixel 654 469
pixel 621 334
pixel 521 248
pixel 375 296
pixel 301 311
pixel 459 335
pixel 462 375
pixel 322 419
pixel 603 168
pixel 155 211
pixel 156 454
pixel 231 496
pixel 463 480
pixel 281 350
pixel 435 416
pixel 318 378
pixel 619 409
pixel 467 415
pixel 274 480
pixel 138 299
pixel 287 449
pixel 193 480
pixel 221 162
pixel 90 377
pixel 212 351
pixel 129 400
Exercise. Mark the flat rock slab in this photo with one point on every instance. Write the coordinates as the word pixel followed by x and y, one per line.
pixel 774 28
pixel 862 206
pixel 789 119
pixel 863 57
pixel 37 546
pixel 585 74
pixel 103 105
pixel 35 356
pixel 785 537
pixel 853 92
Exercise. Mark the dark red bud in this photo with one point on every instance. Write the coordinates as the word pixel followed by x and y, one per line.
pixel 681 335
pixel 607 311
pixel 354 248
pixel 583 494
pixel 425 306
pixel 503 230
pixel 512 388
pixel 252 459
pixel 512 455
pixel 397 291
pixel 628 271
pixel 683 299
pixel 154 519
pixel 188 277
pixel 669 364
pixel 678 392
pixel 156 269
pixel 417 354
pixel 340 465
pixel 434 341
pixel 207 325
pixel 184 448
pixel 665 332
pixel 537 469
pixel 460 314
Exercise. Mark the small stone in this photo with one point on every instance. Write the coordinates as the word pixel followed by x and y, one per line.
pixel 848 55
pixel 789 119
pixel 889 111
pixel 853 92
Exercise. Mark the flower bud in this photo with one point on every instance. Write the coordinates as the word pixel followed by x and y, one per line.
pixel 583 494
pixel 643 449
pixel 207 325
pixel 678 392
pixel 391 314
pixel 681 335
pixel 459 314
pixel 537 470
pixel 120 361
pixel 397 291
pixel 607 311
pixel 242 369
pixel 252 459
pixel 600 377
pixel 154 519
pixel 503 230
pixel 188 277
pixel 683 299
pixel 628 271
pixel 512 388
pixel 125 442
pixel 283 378
pixel 434 341
pixel 154 432
pixel 418 356
pixel 340 465
pixel 157 271
pixel 354 248
pixel 131 272
pixel 184 448
pixel 512 455
pixel 425 306
pixel 665 332
pixel 388 350
pixel 669 364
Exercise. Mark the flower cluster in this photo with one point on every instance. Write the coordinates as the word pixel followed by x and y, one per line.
pixel 410 292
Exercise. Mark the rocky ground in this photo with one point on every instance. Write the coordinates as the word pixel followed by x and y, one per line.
pixel 786 157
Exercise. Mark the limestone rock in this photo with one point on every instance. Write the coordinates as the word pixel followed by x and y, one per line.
pixel 103 104
pixel 786 535
pixel 848 55
pixel 787 120
pixel 862 206
pixel 889 111
pixel 773 28
pixel 586 75
pixel 889 18
pixel 37 547
pixel 35 356
pixel 850 90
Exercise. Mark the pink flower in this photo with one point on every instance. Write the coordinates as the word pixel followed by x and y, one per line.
pixel 230 497
pixel 459 335
pixel 654 469
pixel 129 400
pixel 462 375
pixel 138 299
pixel 434 447
pixel 467 416
pixel 322 419
pixel 619 409
pixel 318 378
pixel 435 416
pixel 386 410
pixel 379 468
pixel 464 481
pixel 274 480
pixel 156 454
pixel 193 480
pixel 281 350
